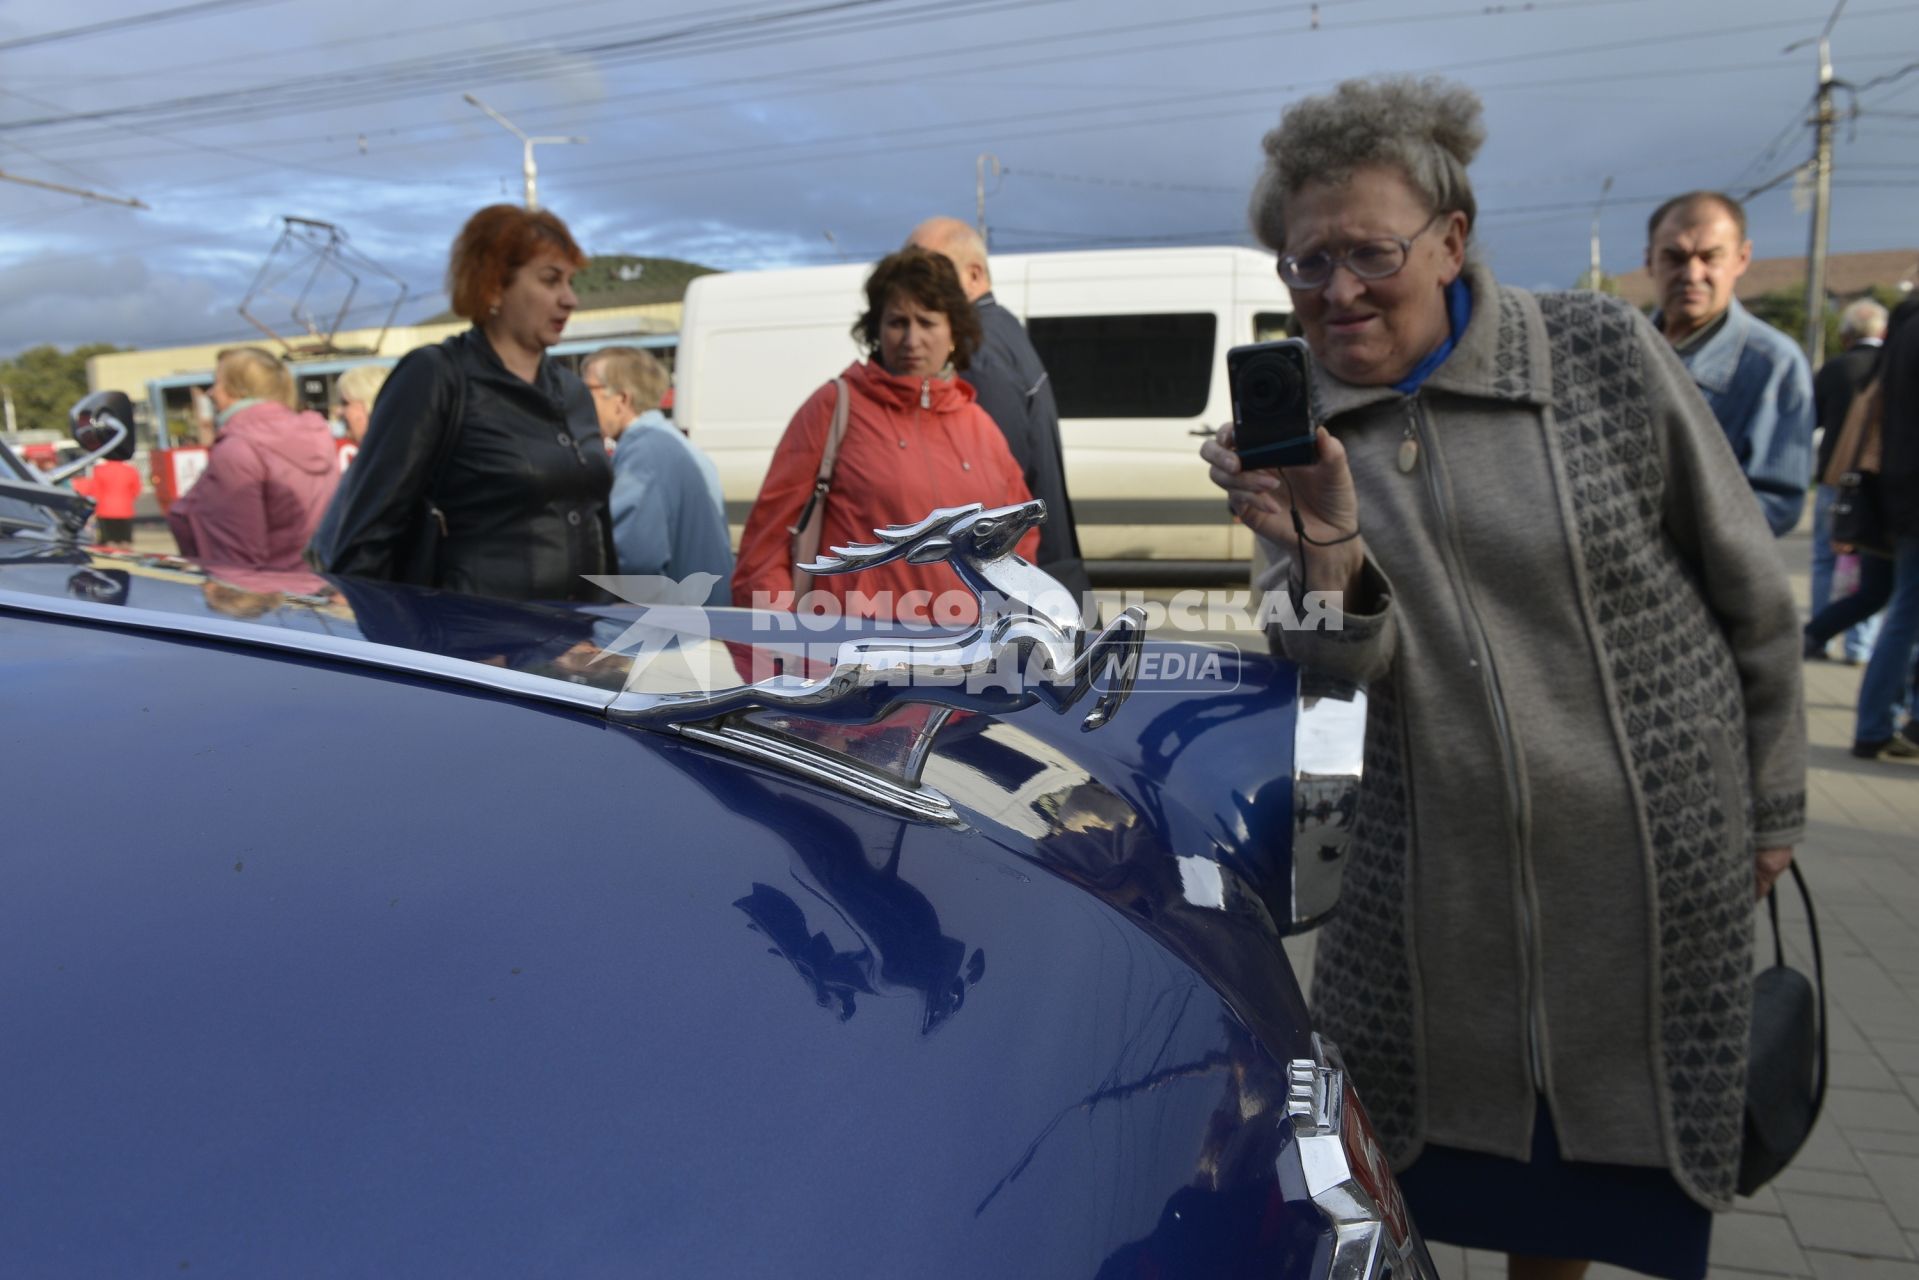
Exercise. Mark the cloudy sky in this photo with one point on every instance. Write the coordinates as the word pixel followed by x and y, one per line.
pixel 793 131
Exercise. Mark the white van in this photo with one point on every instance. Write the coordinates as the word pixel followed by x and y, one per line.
pixel 1135 343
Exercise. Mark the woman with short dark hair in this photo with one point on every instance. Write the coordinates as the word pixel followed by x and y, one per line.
pixel 482 469
pixel 1585 748
pixel 915 441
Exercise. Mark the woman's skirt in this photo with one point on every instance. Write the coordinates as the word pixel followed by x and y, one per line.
pixel 1556 1208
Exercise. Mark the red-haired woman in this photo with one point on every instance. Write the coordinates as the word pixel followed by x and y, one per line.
pixel 915 441
pixel 482 469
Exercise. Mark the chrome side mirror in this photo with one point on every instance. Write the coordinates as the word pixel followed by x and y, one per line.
pixel 102 424
pixel 1329 756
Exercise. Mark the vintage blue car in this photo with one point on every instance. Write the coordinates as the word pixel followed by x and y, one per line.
pixel 356 929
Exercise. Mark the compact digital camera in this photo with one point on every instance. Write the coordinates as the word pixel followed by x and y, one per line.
pixel 1273 413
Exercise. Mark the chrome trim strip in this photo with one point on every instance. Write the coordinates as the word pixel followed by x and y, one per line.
pixel 365 653
pixel 1329 756
pixel 921 801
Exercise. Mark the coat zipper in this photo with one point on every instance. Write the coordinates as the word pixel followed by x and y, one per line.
pixel 919 441
pixel 1475 628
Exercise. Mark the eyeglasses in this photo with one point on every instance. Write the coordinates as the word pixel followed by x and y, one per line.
pixel 1369 260
pixel 596 387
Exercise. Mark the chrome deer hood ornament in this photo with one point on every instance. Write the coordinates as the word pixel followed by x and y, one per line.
pixel 1027 646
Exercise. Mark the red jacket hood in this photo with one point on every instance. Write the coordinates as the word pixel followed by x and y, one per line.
pixel 301 439
pixel 943 395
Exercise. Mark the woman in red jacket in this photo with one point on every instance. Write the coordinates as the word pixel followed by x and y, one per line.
pixel 915 441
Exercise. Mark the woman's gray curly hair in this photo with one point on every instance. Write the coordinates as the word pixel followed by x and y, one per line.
pixel 1427 129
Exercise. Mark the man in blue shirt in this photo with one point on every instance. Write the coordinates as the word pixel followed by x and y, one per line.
pixel 1757 382
pixel 668 516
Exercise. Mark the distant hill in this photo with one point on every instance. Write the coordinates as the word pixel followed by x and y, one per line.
pixel 622 280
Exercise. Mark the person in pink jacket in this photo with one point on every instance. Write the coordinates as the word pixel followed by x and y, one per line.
pixel 270 474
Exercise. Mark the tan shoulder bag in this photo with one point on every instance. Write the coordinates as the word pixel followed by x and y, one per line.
pixel 1858 445
pixel 806 532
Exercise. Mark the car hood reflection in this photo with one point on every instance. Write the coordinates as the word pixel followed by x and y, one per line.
pixel 896 949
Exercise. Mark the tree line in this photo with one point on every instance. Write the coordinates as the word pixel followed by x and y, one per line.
pixel 44 381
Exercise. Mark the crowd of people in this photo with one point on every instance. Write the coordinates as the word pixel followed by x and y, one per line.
pixel 1548 523
pixel 482 465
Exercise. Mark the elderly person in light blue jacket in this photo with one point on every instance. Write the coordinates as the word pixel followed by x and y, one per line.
pixel 668 517
pixel 1757 382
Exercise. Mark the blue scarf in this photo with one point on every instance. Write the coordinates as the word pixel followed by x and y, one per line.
pixel 1459 311
pixel 226 415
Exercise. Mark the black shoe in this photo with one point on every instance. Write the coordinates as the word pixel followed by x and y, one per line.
pixel 1897 747
pixel 1813 651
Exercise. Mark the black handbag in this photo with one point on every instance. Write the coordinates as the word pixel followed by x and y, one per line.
pixel 418 560
pixel 1786 1074
pixel 1858 520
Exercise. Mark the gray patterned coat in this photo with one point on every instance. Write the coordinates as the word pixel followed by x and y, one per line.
pixel 1584 717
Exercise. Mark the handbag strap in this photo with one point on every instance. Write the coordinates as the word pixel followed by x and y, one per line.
pixel 449 437
pixel 1858 431
pixel 1818 970
pixel 829 458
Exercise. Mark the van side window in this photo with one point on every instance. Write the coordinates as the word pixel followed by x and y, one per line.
pixel 1156 366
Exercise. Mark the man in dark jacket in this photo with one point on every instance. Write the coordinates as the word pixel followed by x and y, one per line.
pixel 1012 386
pixel 1889 674
pixel 1862 330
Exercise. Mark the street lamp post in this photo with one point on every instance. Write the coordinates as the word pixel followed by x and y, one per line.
pixel 1594 281
pixel 526 163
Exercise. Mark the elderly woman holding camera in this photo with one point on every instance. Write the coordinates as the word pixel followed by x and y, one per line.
pixel 1586 746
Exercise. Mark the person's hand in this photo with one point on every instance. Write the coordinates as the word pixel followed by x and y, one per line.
pixel 1322 493
pixel 1768 866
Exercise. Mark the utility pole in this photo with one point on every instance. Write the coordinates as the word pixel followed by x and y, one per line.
pixel 1821 193
pixel 1594 279
pixel 526 161
pixel 985 161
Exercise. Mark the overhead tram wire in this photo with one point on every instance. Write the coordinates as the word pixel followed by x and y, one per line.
pixel 659 168
pixel 653 95
pixel 409 77
pixel 789 153
pixel 213 148
pixel 1777 143
pixel 326 90
pixel 1027 43
pixel 384 37
pixel 114 26
pixel 800 153
pixel 323 96
pixel 329 87
pixel 1471 63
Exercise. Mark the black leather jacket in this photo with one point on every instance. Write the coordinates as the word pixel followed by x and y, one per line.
pixel 524 490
